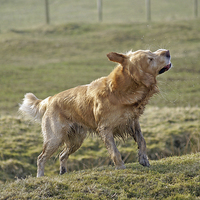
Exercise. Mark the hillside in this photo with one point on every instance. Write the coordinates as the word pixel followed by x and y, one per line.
pixel 170 178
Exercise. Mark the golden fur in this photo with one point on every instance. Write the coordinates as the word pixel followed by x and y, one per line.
pixel 109 106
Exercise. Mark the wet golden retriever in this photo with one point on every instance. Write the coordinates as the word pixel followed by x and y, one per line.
pixel 109 106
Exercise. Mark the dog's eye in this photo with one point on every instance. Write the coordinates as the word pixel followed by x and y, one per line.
pixel 150 59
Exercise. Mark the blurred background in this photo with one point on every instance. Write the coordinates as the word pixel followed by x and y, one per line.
pixel 26 14
pixel 47 46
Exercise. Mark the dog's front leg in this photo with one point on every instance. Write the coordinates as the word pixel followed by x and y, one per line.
pixel 143 160
pixel 108 140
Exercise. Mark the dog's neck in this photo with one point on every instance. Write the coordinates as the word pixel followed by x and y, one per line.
pixel 128 91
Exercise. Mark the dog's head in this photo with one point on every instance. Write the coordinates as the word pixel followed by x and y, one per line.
pixel 143 65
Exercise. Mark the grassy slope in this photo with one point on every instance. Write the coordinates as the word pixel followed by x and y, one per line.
pixel 170 178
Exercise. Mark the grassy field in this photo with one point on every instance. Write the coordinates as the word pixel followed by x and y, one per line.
pixel 48 59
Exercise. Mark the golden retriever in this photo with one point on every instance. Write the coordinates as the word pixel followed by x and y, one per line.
pixel 109 106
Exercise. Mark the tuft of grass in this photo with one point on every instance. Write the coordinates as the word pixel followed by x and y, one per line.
pixel 170 178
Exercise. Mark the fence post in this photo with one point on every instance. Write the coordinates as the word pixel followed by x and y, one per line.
pixel 196 8
pixel 47 11
pixel 148 10
pixel 99 7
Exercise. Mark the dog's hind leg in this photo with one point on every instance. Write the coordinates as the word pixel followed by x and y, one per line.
pixel 49 148
pixel 64 155
pixel 63 160
pixel 52 140
pixel 108 139
pixel 137 135
pixel 73 142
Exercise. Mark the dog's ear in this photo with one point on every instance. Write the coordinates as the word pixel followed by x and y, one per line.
pixel 117 57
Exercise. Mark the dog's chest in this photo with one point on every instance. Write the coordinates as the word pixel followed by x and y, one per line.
pixel 134 111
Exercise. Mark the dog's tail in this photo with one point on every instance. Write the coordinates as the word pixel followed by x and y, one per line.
pixel 33 107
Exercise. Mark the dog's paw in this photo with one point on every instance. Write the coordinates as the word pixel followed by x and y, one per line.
pixel 143 160
pixel 63 170
pixel 120 167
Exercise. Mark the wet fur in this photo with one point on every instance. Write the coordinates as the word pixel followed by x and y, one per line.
pixel 109 107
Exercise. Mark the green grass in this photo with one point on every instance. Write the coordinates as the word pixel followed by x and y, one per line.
pixel 170 178
pixel 47 60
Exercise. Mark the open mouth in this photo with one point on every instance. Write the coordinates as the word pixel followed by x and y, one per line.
pixel 166 68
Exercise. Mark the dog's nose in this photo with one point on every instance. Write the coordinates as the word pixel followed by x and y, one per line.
pixel 167 54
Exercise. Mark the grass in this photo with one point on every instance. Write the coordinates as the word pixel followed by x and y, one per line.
pixel 170 178
pixel 168 132
pixel 48 59
pixel 44 60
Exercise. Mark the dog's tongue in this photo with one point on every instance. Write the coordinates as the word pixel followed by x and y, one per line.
pixel 168 67
pixel 164 69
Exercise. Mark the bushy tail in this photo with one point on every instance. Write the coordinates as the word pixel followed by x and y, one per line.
pixel 33 107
